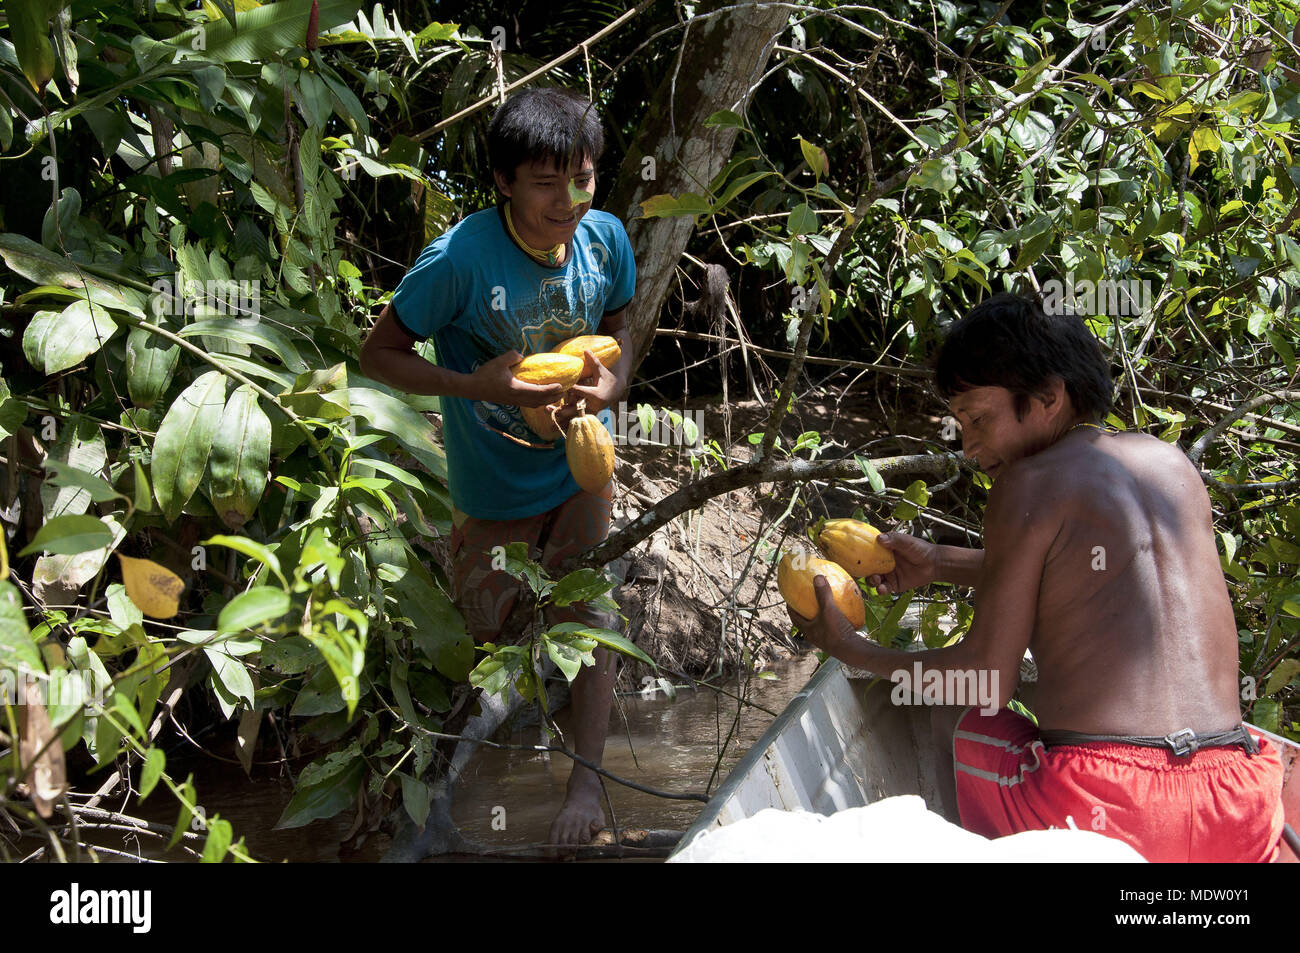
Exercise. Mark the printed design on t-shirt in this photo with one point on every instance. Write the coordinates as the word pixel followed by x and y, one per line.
pixel 555 317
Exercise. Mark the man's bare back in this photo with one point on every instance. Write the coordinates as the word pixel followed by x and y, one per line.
pixel 1134 632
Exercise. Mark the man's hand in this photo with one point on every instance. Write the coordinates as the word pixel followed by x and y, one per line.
pixel 830 631
pixel 496 383
pixel 599 386
pixel 916 563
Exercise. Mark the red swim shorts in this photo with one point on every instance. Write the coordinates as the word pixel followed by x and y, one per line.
pixel 1218 804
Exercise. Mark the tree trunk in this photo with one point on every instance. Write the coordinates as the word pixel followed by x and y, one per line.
pixel 720 61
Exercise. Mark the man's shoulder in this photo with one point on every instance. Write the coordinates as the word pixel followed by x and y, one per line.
pixel 463 242
pixel 603 224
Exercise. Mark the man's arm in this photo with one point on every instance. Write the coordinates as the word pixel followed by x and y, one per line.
pixel 388 355
pixel 1021 523
pixel 959 565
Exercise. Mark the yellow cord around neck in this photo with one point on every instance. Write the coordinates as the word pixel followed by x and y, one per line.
pixel 551 257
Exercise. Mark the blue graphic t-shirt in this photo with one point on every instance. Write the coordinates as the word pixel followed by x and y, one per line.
pixel 476 293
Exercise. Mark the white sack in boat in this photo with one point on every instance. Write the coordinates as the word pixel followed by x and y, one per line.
pixel 898 829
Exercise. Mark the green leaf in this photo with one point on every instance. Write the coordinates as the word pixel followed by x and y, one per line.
pixel 29 31
pixel 150 363
pixel 241 458
pixel 67 475
pixel 815 156
pixel 17 650
pixel 607 638
pixel 250 609
pixel 939 174
pixel 1285 670
pixel 436 625
pixel 264 32
pixel 415 798
pixel 43 267
pixel 872 474
pixel 667 206
pixel 57 340
pixel 184 439
pixel 229 674
pixel 802 220
pixel 244 331
pixel 725 119
pixel 217 844
pixel 322 800
pixel 69 534
pixel 581 585
pixel 154 763
pixel 407 426
pixel 251 548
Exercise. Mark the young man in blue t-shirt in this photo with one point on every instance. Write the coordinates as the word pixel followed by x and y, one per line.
pixel 506 282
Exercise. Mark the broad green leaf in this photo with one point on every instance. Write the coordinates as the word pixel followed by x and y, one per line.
pixel 241 458
pixel 215 847
pixel 409 427
pixel 609 639
pixel 150 363
pixel 415 798
pixel 815 156
pixel 323 800
pixel 41 266
pixel 245 331
pixel 17 650
pixel 664 206
pixel 249 547
pixel 1286 670
pixel 57 340
pixel 263 33
pixel 78 453
pixel 231 675
pixel 872 474
pixel 155 762
pixel 580 586
pixel 29 31
pixel 184 439
pixel 69 534
pixel 938 174
pixel 250 609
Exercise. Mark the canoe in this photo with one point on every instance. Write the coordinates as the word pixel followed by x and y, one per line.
pixel 842 743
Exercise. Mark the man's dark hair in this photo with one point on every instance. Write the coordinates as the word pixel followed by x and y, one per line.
pixel 544 124
pixel 1008 341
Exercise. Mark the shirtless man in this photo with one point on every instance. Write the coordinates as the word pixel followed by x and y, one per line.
pixel 1099 557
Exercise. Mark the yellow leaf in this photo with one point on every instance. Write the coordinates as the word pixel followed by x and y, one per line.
pixel 155 589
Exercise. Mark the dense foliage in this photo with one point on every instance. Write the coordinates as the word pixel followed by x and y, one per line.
pixel 198 223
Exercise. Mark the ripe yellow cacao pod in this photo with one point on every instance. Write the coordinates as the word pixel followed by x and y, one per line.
pixel 562 369
pixel 794 578
pixel 852 544
pixel 603 346
pixel 540 422
pixel 590 452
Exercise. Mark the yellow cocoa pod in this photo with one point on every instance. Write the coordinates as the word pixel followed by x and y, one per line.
pixel 794 578
pixel 563 369
pixel 603 346
pixel 852 544
pixel 540 422
pixel 590 451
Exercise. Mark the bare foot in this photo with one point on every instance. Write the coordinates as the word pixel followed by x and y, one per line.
pixel 580 818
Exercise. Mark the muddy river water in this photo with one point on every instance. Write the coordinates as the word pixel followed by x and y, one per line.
pixel 507 799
